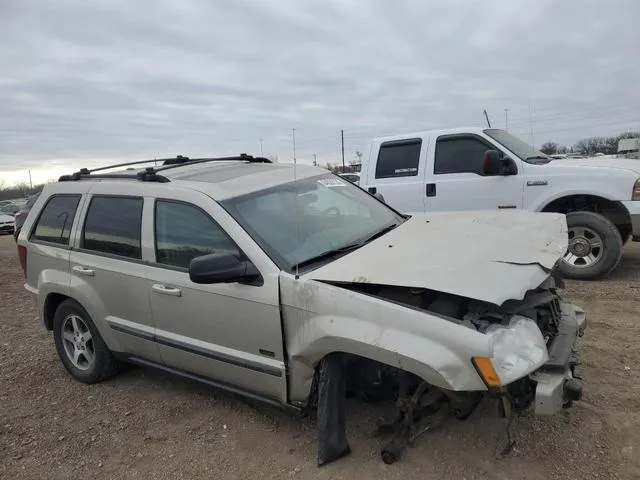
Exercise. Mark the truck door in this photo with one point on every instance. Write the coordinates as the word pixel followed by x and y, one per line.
pixel 455 178
pixel 398 174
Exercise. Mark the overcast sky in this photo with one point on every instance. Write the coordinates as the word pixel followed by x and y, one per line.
pixel 84 82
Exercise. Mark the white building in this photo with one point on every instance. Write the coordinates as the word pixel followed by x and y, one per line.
pixel 629 147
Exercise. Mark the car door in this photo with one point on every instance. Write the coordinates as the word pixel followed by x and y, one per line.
pixel 455 179
pixel 228 333
pixel 108 275
pixel 399 174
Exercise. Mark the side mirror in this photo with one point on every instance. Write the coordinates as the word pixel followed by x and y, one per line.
pixel 221 268
pixel 379 196
pixel 494 164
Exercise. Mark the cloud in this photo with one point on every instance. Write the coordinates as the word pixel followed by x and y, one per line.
pixel 86 82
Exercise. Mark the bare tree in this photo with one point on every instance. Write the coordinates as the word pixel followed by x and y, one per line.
pixel 550 148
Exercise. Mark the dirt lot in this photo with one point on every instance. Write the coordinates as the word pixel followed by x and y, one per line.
pixel 145 425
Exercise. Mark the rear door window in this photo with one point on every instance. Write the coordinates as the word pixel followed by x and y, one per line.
pixel 399 159
pixel 55 221
pixel 113 226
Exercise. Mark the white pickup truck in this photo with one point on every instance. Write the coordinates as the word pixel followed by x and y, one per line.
pixel 488 168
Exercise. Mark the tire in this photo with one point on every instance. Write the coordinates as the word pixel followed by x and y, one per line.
pixel 95 362
pixel 625 233
pixel 586 229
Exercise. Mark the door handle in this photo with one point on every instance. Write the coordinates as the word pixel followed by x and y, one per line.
pixel 163 289
pixel 431 189
pixel 83 270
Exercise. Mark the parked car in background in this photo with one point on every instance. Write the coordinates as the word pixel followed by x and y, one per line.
pixel 490 169
pixel 9 208
pixel 7 224
pixel 21 215
pixel 294 292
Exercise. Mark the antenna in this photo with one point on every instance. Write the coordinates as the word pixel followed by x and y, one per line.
pixel 487 117
pixel 295 190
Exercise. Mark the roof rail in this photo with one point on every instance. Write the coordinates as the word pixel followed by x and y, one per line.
pixel 149 174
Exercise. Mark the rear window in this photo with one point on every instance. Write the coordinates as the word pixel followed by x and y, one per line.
pixel 113 226
pixel 56 219
pixel 398 159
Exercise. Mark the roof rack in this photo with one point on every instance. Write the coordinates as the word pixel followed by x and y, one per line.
pixel 150 174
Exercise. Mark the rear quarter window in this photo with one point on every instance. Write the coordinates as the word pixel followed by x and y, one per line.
pixel 56 219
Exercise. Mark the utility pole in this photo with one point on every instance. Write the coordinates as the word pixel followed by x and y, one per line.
pixel 506 119
pixel 261 153
pixel 30 182
pixel 315 161
pixel 487 117
pixel 342 140
pixel 294 145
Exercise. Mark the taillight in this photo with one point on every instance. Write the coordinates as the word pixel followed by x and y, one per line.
pixel 22 256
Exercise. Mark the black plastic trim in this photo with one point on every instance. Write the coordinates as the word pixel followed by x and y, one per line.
pixel 218 356
pixel 275 372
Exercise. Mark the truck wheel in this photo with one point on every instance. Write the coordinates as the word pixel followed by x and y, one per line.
pixel 595 246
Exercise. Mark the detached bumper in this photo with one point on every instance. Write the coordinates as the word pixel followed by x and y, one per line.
pixel 555 382
pixel 633 207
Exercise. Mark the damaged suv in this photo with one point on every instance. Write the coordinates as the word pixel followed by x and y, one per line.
pixel 293 286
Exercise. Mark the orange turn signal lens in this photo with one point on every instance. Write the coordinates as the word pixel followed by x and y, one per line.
pixel 487 372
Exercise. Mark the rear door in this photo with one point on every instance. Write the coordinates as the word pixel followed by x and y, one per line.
pixel 108 276
pixel 455 179
pixel 398 174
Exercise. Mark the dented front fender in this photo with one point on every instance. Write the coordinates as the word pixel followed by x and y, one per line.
pixel 320 319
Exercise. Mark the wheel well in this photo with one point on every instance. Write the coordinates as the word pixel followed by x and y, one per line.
pixel 51 304
pixel 612 210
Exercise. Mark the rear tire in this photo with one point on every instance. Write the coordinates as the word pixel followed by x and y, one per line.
pixel 595 246
pixel 80 346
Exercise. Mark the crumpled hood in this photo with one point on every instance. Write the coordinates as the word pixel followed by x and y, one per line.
pixel 617 163
pixel 5 218
pixel 486 255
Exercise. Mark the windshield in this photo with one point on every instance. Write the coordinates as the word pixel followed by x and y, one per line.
pixel 523 150
pixel 298 221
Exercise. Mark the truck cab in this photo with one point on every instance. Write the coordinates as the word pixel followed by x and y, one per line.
pixel 488 169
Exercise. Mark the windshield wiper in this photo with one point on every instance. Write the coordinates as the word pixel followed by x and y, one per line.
pixel 347 248
pixel 329 254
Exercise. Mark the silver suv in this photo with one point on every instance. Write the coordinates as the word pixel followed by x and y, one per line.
pixel 293 286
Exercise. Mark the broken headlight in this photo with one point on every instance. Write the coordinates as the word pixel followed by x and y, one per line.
pixel 518 348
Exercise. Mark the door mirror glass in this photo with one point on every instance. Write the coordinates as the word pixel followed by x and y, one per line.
pixel 221 268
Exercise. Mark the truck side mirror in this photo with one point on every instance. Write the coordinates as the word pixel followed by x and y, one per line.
pixel 494 164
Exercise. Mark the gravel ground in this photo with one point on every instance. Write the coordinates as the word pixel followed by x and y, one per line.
pixel 143 424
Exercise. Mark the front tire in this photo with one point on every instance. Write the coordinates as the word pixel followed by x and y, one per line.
pixel 595 246
pixel 80 346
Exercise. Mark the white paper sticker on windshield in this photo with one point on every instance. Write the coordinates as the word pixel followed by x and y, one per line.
pixel 331 182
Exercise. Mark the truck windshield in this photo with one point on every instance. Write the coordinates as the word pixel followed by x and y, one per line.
pixel 311 221
pixel 523 150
